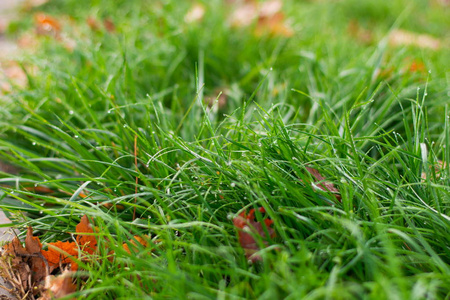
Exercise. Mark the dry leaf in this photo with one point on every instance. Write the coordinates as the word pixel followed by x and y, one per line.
pixel 46 25
pixel 400 37
pixel 58 287
pixel 133 244
pixel 361 34
pixel 248 228
pixel 218 95
pixel 26 262
pixel 61 253
pixel 93 23
pixel 268 16
pixel 11 74
pixel 195 13
pixel 87 243
pixel 323 184
pixel 109 25
pixel 436 168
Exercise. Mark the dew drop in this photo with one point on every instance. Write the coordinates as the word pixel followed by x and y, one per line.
pixel 233 184
pixel 70 112
pixel 33 143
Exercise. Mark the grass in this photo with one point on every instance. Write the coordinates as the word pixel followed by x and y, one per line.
pixel 123 119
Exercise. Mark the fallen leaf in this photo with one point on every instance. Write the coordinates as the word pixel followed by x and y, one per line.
pixel 61 253
pixel 361 34
pixel 401 37
pixel 87 243
pixel 417 67
pixel 218 96
pixel 143 242
pixel 323 184
pixel 93 23
pixel 32 244
pixel 248 228
pixel 58 287
pixel 11 75
pixel 195 13
pixel 436 168
pixel 267 15
pixel 109 25
pixel 46 25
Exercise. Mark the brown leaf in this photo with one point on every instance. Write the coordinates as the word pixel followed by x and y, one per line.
pixel 32 244
pixel 11 75
pixel 323 184
pixel 361 34
pixel 109 25
pixel 268 16
pixel 248 228
pixel 218 96
pixel 401 37
pixel 93 23
pixel 436 168
pixel 59 286
pixel 87 243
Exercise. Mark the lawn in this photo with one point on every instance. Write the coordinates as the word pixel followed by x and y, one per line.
pixel 235 149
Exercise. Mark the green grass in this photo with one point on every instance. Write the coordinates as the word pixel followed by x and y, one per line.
pixel 314 99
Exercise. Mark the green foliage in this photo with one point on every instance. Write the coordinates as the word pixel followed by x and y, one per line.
pixel 313 100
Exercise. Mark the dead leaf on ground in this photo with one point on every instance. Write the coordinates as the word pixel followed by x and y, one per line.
pixel 436 168
pixel 195 13
pixel 267 15
pixel 26 267
pixel 134 246
pixel 248 228
pixel 401 37
pixel 87 242
pixel 11 75
pixel 47 25
pixel 61 253
pixel 58 286
pixel 359 33
pixel 323 184
pixel 109 25
pixel 93 23
pixel 219 96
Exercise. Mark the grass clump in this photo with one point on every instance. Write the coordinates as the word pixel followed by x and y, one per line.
pixel 127 127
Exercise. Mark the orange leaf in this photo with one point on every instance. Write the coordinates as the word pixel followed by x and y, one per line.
pixel 46 24
pixel 87 243
pixel 141 241
pixel 60 253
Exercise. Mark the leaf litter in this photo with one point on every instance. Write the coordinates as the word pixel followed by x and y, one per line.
pixel 29 268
